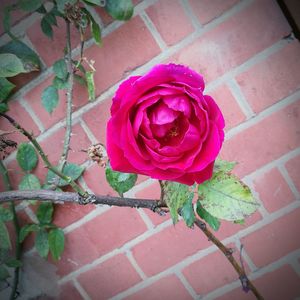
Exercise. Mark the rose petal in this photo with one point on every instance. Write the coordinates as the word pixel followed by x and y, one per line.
pixel 124 88
pixel 210 149
pixel 179 103
pixel 162 114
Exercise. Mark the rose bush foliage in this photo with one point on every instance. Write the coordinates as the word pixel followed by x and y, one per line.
pixel 163 126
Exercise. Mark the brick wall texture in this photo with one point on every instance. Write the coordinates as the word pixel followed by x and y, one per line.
pixel 251 63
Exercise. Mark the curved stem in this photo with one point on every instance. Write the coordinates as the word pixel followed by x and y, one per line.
pixel 44 157
pixel 246 283
pixel 7 184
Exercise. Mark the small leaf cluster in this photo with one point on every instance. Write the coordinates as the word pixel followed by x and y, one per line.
pixel 16 57
pixel 48 237
pixel 223 197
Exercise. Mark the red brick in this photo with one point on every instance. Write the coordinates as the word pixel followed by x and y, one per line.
pixel 227 46
pixel 152 192
pixel 95 178
pixel 33 97
pixel 265 141
pixel 68 213
pixel 101 235
pixel 109 278
pixel 126 42
pixel 207 10
pixel 69 291
pixel 41 42
pixel 170 20
pixel 273 79
pixel 229 228
pixel 282 283
pixel 20 115
pixel 273 190
pixel 166 288
pixel 274 240
pixel 97 118
pixel 228 105
pixel 15 173
pixel 293 167
pixel 168 247
pixel 200 273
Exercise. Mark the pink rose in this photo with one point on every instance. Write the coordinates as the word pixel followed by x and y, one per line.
pixel 163 126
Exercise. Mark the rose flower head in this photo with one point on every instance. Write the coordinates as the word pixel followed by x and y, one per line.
pixel 163 126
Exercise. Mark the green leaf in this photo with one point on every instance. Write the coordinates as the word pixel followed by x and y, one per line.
pixel 41 243
pixel 10 65
pixel 30 5
pixel 175 195
pixel 13 263
pixel 225 197
pixel 96 2
pixel 71 170
pixel 5 214
pixel 223 166
pixel 56 243
pixel 4 274
pixel 29 182
pixel 89 75
pixel 51 19
pixel 45 212
pixel 27 157
pixel 120 10
pixel 5 88
pixel 60 84
pixel 187 211
pixel 120 182
pixel 29 58
pixel 25 230
pixel 213 222
pixel 50 98
pixel 4 237
pixel 3 107
pixel 60 69
pixel 80 79
pixel 95 28
pixel 96 31
pixel 46 28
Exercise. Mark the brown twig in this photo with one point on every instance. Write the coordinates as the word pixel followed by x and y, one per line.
pixel 47 195
pixel 246 283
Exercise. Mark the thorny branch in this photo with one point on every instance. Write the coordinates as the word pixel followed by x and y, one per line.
pixel 246 283
pixel 47 195
pixel 67 139
pixel 44 157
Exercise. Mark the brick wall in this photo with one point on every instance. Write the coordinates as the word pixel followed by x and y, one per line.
pixel 252 68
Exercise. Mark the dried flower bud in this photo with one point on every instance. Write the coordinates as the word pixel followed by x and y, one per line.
pixel 97 153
